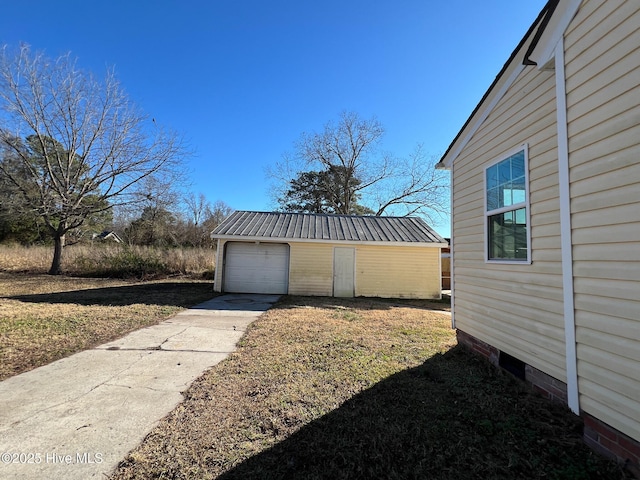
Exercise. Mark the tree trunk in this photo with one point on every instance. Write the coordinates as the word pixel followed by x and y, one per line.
pixel 58 245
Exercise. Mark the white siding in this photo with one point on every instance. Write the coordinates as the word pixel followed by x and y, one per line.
pixel 603 93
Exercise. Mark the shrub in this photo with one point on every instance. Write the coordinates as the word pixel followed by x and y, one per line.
pixel 123 263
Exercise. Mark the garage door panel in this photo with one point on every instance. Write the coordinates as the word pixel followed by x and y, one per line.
pixel 256 268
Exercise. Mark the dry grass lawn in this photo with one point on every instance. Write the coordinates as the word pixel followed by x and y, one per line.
pixel 44 318
pixel 361 389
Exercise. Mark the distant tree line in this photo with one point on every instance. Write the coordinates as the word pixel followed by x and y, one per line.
pixel 77 157
pixel 185 221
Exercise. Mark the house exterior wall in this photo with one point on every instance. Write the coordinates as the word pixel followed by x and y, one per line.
pixel 602 56
pixel 516 308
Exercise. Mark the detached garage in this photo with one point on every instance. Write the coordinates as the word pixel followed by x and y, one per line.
pixel 328 255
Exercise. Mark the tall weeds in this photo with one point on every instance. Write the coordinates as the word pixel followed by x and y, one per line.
pixel 110 260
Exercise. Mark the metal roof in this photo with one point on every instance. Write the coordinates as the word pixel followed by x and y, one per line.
pixel 322 227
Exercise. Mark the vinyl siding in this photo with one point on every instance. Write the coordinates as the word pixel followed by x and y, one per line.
pixel 602 53
pixel 380 271
pixel 398 272
pixel 217 275
pixel 516 308
pixel 311 269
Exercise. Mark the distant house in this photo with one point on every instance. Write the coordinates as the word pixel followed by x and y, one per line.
pixel 546 217
pixel 107 235
pixel 328 255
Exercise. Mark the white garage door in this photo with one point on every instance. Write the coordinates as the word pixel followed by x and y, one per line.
pixel 256 267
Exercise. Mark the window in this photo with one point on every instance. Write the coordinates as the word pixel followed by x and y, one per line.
pixel 506 209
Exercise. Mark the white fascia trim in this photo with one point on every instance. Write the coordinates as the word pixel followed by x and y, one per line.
pixel 573 398
pixel 483 116
pixel 232 238
pixel 545 50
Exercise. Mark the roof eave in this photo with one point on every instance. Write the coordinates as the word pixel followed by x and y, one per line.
pixel 542 50
pixel 505 77
pixel 239 238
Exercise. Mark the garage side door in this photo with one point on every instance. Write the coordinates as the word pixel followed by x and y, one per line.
pixel 256 268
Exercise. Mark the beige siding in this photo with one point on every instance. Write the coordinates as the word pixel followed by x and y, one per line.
pixel 217 276
pixel 516 308
pixel 602 49
pixel 311 269
pixel 380 271
pixel 398 272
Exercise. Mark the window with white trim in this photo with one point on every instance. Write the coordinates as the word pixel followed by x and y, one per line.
pixel 506 208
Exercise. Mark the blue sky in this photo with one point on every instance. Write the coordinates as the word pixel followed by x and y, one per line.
pixel 243 79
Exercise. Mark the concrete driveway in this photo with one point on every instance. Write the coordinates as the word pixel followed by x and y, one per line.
pixel 78 417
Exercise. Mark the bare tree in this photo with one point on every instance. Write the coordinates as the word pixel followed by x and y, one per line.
pixel 200 218
pixel 413 187
pixel 349 152
pixel 197 206
pixel 350 149
pixel 194 213
pixel 88 148
pixel 217 214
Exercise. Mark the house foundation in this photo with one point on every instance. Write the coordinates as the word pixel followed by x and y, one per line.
pixel 597 435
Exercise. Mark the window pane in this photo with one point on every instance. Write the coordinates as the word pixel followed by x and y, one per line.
pixel 493 199
pixel 506 195
pixel 508 235
pixel 508 177
pixel 492 177
pixel 518 190
pixel 517 165
pixel 504 171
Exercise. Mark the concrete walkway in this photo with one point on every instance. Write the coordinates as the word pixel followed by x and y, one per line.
pixel 78 417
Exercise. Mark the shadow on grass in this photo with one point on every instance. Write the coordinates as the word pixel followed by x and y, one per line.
pixel 179 294
pixel 453 417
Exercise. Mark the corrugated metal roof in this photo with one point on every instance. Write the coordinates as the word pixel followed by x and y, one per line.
pixel 320 227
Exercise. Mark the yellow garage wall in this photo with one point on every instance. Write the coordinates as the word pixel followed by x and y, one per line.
pixel 398 272
pixel 311 269
pixel 381 271
pixel 217 276
pixel 602 55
